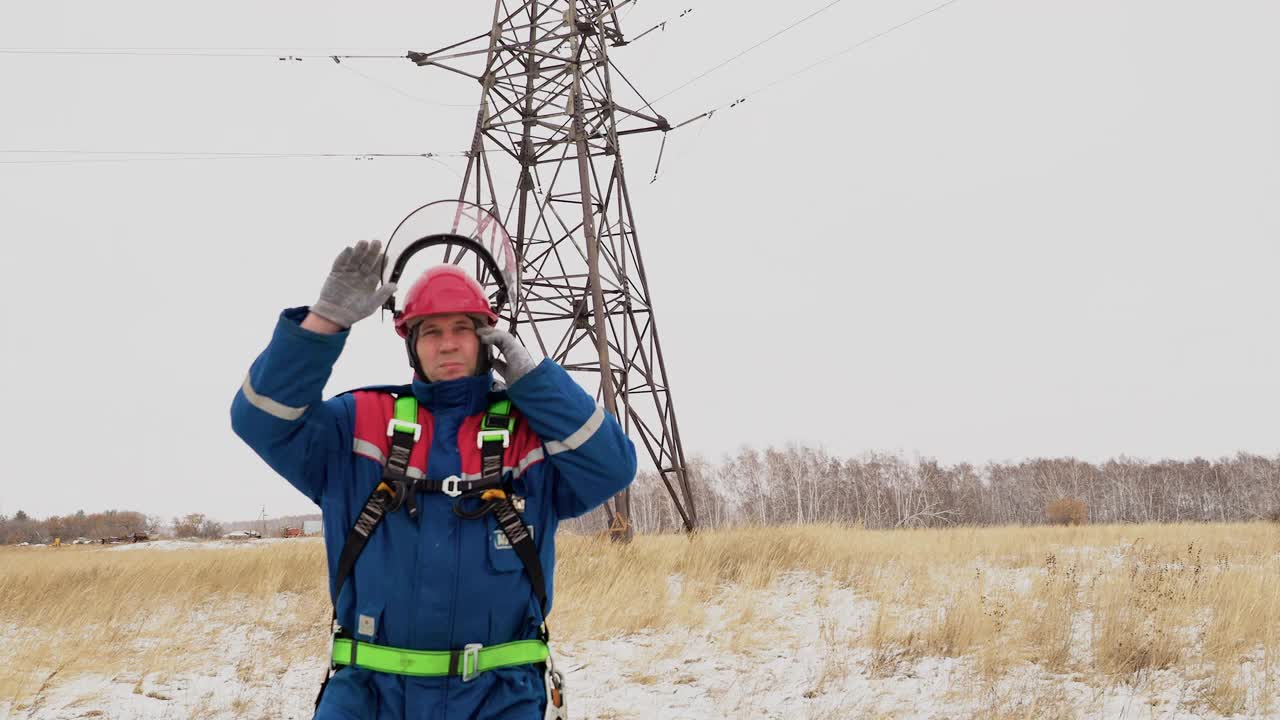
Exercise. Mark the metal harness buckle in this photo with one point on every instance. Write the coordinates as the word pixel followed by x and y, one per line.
pixel 415 427
pixel 471 661
pixel 449 486
pixel 555 696
pixel 335 632
pixel 490 434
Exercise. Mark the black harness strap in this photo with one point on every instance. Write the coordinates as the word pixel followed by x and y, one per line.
pixel 396 474
pixel 502 505
pixel 453 486
pixel 521 540
pixel 394 490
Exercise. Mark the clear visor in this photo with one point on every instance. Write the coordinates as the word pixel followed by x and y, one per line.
pixel 458 219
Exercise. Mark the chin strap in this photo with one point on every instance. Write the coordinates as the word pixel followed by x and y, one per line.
pixel 410 342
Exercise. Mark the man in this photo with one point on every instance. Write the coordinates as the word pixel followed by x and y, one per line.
pixel 442 568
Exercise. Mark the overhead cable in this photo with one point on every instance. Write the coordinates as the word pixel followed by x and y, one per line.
pixel 109 156
pixel 707 114
pixel 283 54
pixel 402 92
pixel 714 68
pixel 861 43
pixel 249 53
pixel 662 26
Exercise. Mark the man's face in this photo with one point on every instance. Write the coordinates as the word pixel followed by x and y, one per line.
pixel 447 346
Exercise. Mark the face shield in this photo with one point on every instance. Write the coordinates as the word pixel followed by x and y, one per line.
pixel 454 233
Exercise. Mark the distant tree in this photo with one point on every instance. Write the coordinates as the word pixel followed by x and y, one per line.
pixel 1067 511
pixel 188 526
pixel 210 529
pixel 21 516
pixel 194 525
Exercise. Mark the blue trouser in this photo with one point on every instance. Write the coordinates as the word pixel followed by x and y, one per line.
pixel 507 694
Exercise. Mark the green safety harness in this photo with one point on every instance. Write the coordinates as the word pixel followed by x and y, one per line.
pixel 398 490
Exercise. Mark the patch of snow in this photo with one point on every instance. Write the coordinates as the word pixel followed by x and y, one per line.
pixel 210 544
pixel 220 694
pixel 792 651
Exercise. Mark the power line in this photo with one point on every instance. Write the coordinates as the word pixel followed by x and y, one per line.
pixel 111 156
pixel 860 43
pixel 326 50
pixel 707 72
pixel 662 26
pixel 90 161
pixel 219 153
pixel 403 93
pixel 249 53
pixel 706 115
pixel 282 54
pixel 865 41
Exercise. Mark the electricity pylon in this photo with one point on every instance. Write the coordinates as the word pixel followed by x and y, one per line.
pixel 545 158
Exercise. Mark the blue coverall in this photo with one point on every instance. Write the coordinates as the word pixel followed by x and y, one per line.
pixel 441 582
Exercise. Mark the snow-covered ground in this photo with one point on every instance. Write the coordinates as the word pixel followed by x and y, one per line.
pixel 246 544
pixel 790 653
pixel 798 661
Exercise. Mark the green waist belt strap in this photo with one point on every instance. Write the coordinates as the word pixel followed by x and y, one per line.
pixel 467 663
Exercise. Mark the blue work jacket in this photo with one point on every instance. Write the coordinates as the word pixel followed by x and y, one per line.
pixel 441 582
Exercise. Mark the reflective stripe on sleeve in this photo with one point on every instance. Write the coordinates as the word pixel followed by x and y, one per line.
pixel 580 436
pixel 534 456
pixel 269 406
pixel 369 450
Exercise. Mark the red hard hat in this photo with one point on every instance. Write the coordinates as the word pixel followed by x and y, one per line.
pixel 442 290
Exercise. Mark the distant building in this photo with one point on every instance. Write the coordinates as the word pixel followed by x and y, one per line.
pixel 312 527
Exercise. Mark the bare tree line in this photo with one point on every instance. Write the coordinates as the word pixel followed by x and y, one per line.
pixel 798 484
pixel 806 485
pixel 24 528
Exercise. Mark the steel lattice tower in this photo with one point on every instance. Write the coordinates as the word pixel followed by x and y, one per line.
pixel 549 126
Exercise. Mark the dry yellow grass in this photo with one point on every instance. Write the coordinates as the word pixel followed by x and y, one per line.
pixel 83 609
pixel 1103 603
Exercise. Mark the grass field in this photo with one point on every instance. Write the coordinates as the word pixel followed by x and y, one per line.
pixel 1039 622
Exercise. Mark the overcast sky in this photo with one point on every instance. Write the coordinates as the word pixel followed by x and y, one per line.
pixel 1010 229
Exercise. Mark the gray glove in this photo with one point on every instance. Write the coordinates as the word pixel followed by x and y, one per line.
pixel 351 291
pixel 516 362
